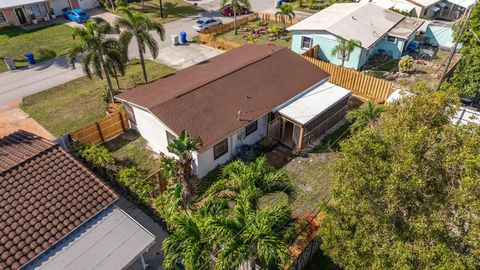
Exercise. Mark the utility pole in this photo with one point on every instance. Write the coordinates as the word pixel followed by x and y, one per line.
pixel 452 53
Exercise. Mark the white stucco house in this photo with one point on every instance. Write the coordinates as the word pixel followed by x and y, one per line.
pixel 236 99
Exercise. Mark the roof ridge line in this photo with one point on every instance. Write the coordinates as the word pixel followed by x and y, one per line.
pixel 228 73
pixel 30 158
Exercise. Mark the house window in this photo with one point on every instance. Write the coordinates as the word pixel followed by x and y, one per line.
pixel 170 137
pixel 251 128
pixel 220 149
pixel 391 39
pixel 40 10
pixel 307 42
pixel 130 114
pixel 2 17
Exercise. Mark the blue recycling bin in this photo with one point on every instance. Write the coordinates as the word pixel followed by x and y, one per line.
pixel 183 37
pixel 30 58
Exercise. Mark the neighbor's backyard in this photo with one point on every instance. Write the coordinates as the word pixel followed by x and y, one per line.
pixel 260 32
pixel 70 106
pixel 45 43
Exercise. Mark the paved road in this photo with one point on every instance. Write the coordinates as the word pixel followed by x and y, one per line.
pixel 24 82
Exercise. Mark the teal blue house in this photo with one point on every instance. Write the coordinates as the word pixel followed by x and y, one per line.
pixel 439 33
pixel 377 30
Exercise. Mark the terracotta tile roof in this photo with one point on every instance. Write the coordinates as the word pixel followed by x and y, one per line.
pixel 45 193
pixel 205 99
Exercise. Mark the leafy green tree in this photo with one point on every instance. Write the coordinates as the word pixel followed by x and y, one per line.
pixel 406 193
pixel 344 48
pixel 251 235
pixel 183 147
pixel 364 115
pixel 285 11
pixel 405 64
pixel 139 26
pixel 258 177
pixel 235 6
pixel 465 78
pixel 470 37
pixel 99 54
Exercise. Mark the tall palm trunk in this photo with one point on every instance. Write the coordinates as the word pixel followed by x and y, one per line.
pixel 142 61
pixel 112 3
pixel 115 74
pixel 161 8
pixel 235 18
pixel 109 81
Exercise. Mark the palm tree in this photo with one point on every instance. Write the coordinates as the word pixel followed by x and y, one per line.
pixel 251 235
pixel 187 247
pixel 183 147
pixel 364 115
pixel 285 11
pixel 258 177
pixel 344 48
pixel 138 26
pixel 235 6
pixel 99 54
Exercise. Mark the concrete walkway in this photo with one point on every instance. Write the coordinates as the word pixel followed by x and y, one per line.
pixel 12 118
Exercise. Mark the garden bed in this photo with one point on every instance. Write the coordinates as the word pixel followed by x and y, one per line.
pixel 258 32
pixel 68 107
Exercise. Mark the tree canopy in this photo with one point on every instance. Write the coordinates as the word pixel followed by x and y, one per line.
pixel 407 193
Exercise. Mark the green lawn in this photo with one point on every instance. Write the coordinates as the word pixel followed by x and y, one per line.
pixel 130 150
pixel 262 39
pixel 67 107
pixel 172 9
pixel 45 43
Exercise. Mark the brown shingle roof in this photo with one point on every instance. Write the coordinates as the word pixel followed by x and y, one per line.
pixel 45 193
pixel 204 99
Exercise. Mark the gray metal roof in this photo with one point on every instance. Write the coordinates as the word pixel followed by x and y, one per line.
pixel 406 27
pixel 110 240
pixel 365 22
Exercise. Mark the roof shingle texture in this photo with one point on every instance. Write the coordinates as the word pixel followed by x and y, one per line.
pixel 205 99
pixel 45 193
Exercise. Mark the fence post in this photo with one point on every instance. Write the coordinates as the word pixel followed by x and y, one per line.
pixel 121 120
pixel 100 132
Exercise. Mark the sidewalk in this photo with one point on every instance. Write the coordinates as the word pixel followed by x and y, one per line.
pixel 12 118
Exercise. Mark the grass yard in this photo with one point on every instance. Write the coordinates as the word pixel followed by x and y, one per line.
pixel 262 39
pixel 45 43
pixel 130 150
pixel 311 177
pixel 67 107
pixel 172 9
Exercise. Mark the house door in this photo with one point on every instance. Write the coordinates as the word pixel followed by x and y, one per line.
pixel 21 15
pixel 290 134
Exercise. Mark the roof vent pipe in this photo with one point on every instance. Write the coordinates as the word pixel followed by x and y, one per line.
pixel 239 115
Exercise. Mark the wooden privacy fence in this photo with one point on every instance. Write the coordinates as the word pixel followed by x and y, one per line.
pixel 308 252
pixel 226 27
pixel 362 85
pixel 103 130
pixel 252 17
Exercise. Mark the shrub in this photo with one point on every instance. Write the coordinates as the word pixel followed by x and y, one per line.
pixel 106 94
pixel 97 156
pixel 405 64
pixel 134 180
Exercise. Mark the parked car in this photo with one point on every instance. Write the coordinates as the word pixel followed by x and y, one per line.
pixel 227 10
pixel 76 15
pixel 206 22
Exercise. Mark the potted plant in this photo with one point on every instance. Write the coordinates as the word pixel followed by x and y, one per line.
pixel 33 18
pixel 52 14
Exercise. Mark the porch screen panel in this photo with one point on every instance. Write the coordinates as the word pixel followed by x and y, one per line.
pixel 2 17
pixel 324 122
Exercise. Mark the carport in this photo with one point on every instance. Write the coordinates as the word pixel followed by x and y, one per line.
pixel 110 240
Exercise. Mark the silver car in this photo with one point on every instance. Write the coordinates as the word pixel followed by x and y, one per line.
pixel 206 22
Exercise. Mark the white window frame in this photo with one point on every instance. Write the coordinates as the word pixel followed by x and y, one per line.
pixel 310 43
pixel 2 15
